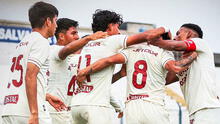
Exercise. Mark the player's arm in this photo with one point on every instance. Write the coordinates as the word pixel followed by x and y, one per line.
pixel 175 67
pixel 78 44
pixel 171 45
pixel 119 74
pixel 171 77
pixel 182 64
pixel 117 106
pixel 99 65
pixel 31 90
pixel 145 36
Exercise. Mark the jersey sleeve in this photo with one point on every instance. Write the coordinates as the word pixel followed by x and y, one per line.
pixel 166 56
pixel 54 52
pixel 195 44
pixel 125 53
pixel 117 42
pixel 39 52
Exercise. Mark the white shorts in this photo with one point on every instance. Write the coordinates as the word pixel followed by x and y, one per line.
pixel 13 119
pixel 206 116
pixel 144 112
pixel 91 115
pixel 61 118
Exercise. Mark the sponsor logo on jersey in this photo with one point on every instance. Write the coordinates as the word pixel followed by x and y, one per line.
pixel 134 97
pixel 11 99
pixel 84 89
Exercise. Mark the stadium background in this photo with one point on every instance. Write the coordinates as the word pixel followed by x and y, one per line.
pixel 141 15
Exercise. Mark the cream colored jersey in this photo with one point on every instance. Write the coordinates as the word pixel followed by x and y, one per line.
pixel 146 73
pixel 61 73
pixel 96 91
pixel 197 83
pixel 34 48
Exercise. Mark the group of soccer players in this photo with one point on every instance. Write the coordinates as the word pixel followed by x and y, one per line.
pixel 70 82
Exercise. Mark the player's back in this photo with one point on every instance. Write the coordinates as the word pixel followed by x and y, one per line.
pixel 96 91
pixel 146 72
pixel 15 102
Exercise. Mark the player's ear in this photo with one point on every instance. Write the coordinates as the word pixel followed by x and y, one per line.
pixel 61 36
pixel 189 34
pixel 109 27
pixel 48 22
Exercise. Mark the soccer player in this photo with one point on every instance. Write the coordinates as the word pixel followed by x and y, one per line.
pixel 198 81
pixel 92 101
pixel 146 67
pixel 63 65
pixel 26 92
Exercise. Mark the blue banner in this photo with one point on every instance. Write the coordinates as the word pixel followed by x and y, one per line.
pixel 15 34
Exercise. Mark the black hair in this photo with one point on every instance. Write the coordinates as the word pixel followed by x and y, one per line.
pixel 102 18
pixel 39 12
pixel 63 24
pixel 195 28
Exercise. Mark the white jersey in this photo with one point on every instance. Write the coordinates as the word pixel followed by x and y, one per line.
pixel 33 48
pixel 96 91
pixel 197 83
pixel 61 73
pixel 146 73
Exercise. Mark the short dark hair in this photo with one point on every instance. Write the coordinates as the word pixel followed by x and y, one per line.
pixel 102 18
pixel 63 24
pixel 39 12
pixel 195 28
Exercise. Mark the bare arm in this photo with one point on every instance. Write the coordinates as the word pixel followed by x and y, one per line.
pixel 31 91
pixel 171 45
pixel 171 78
pixel 180 65
pixel 145 36
pixel 78 44
pixel 117 106
pixel 119 74
pixel 175 67
pixel 99 65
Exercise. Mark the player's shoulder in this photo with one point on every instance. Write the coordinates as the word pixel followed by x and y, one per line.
pixel 54 47
pixel 115 37
pixel 36 38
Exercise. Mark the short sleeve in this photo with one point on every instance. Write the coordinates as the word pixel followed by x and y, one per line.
pixel 125 53
pixel 54 52
pixel 196 44
pixel 166 56
pixel 117 42
pixel 39 52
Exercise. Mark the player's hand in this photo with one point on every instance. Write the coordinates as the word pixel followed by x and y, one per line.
pixel 167 36
pixel 56 102
pixel 120 114
pixel 98 35
pixel 33 119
